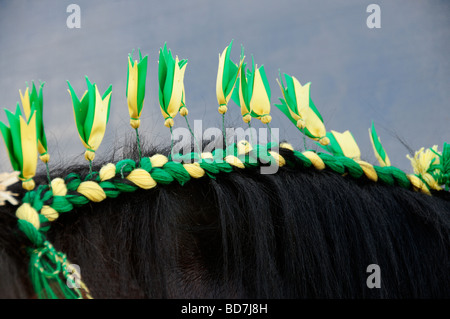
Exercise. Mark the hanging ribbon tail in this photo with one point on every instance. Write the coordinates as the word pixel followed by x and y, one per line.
pixel 378 149
pixel 53 277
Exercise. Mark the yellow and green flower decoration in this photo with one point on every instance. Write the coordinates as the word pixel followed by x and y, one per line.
pixel 25 137
pixel 227 75
pixel 342 144
pixel 432 166
pixel 252 94
pixel 91 114
pixel 440 169
pixel 299 108
pixel 136 80
pixel 378 149
pixel 21 144
pixel 171 87
pixel 35 98
pixel 429 165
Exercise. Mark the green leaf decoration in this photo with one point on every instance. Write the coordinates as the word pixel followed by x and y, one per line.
pixel 15 155
pixel 378 149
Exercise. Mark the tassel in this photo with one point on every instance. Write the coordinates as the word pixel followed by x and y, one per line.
pixel 50 275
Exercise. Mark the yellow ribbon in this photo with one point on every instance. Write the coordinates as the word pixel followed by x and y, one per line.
pixel 132 92
pixel 260 102
pixel 29 151
pixel 348 144
pixel 175 99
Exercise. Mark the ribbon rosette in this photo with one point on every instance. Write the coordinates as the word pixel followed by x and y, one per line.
pixel 171 76
pixel 21 143
pixel 136 77
pixel 91 116
pixel 300 109
pixel 253 94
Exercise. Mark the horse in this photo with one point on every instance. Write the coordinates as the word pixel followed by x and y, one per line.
pixel 315 229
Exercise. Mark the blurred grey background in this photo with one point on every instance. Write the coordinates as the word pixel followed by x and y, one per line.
pixel 397 75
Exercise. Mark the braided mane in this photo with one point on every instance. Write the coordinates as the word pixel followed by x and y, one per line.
pixel 47 201
pixel 127 175
pixel 306 231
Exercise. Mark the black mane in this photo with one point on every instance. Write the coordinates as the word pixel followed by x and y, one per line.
pixel 299 233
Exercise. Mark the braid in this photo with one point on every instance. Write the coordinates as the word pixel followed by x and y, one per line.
pixel 127 176
pixel 43 204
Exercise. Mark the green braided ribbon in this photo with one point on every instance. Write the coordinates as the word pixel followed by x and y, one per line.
pixel 175 171
pixel 48 268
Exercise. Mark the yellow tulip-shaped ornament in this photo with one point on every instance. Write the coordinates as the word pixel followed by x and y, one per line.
pixel 298 106
pixel 136 79
pixel 227 75
pixel 91 116
pixel 21 143
pixel 35 99
pixel 252 94
pixel 171 77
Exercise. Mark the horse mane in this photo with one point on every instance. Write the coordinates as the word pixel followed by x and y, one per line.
pixel 299 233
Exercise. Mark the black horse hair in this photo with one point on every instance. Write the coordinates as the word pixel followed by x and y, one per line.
pixel 299 233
